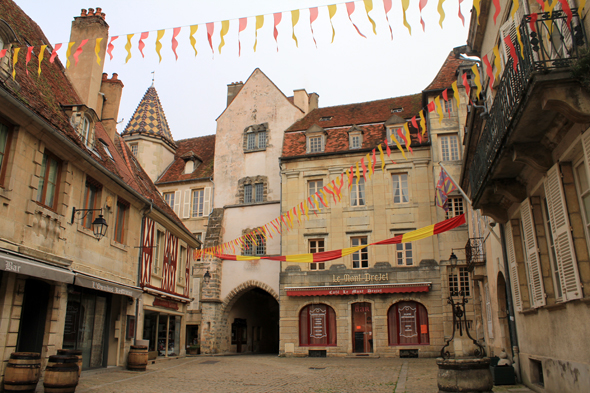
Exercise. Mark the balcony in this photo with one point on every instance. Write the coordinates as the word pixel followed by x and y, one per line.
pixel 530 101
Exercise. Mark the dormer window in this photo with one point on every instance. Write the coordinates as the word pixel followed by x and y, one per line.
pixel 355 137
pixel 83 119
pixel 397 110
pixel 326 118
pixel 255 137
pixel 315 144
pixel 316 139
pixel 189 167
pixel 393 131
pixel 191 162
pixel 85 130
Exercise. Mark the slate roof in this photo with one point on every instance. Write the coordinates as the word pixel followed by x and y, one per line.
pixel 44 95
pixel 149 118
pixel 370 117
pixel 202 148
pixel 447 73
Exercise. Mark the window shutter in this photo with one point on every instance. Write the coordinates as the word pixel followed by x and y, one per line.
pixel 532 254
pixel 560 226
pixel 207 201
pixel 513 268
pixel 186 211
pixel 586 145
pixel 177 203
pixel 507 29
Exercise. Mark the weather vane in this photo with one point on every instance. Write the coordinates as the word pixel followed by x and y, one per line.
pixel 153 76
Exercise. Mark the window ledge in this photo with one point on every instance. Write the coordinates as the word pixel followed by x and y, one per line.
pixel 246 151
pixel 530 311
pixel 120 246
pixel 358 208
pixel 251 204
pixel 6 194
pixel 554 307
pixel 82 229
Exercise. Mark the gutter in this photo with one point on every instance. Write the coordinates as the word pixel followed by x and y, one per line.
pixel 163 183
pixel 70 144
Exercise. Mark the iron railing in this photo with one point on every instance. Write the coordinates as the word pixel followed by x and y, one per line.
pixel 549 43
pixel 475 253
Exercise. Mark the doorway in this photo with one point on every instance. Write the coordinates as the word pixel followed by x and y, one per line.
pixel 239 334
pixel 33 315
pixel 362 332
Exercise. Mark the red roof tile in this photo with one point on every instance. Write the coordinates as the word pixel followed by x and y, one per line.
pixel 203 148
pixel 447 73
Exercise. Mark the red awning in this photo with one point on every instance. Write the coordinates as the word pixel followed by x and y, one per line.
pixel 358 289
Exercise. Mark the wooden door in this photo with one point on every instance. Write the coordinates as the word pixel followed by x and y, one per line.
pixel 362 328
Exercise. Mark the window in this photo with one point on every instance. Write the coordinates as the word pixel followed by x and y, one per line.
pixel 262 140
pixel 392 131
pixel 251 141
pixel 455 206
pixel 189 167
pixel 459 282
pixel 552 255
pixel 583 193
pixel 157 258
pixel 48 180
pixel 106 148
pixel 258 192
pixel 122 208
pixel 317 325
pixel 198 203
pixel 408 324
pixel 360 259
pixel 255 137
pixel 181 265
pixel 5 137
pixel 400 188
pixel 326 118
pixel 85 125
pixel 315 144
pixel 316 245
pixel 90 196
pixel 248 193
pixel 169 199
pixel 403 254
pixel 314 186
pixel 355 142
pixel 357 193
pixel 134 149
pixel 449 105
pixel 254 245
pixel 449 145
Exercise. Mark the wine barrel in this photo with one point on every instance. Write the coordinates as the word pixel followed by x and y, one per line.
pixel 22 372
pixel 73 352
pixel 138 358
pixel 61 374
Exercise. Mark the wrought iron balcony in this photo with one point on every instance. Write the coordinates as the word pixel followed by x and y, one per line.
pixel 549 44
pixel 475 253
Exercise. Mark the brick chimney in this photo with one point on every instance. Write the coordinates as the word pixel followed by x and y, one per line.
pixel 305 102
pixel 112 89
pixel 86 76
pixel 232 91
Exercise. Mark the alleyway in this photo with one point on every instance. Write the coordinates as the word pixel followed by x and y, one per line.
pixel 266 373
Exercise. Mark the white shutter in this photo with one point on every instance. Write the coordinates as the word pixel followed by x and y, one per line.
pixel 177 203
pixel 532 255
pixel 207 201
pixel 562 236
pixel 515 283
pixel 586 146
pixel 186 211
pixel 507 29
pixel 489 311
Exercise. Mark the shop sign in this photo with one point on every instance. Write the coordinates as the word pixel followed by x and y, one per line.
pixel 19 265
pixel 357 289
pixel 165 303
pixel 407 322
pixel 318 323
pixel 105 286
pixel 360 277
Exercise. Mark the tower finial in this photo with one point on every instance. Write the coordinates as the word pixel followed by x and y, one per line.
pixel 153 76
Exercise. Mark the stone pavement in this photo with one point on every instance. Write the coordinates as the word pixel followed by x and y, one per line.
pixel 269 373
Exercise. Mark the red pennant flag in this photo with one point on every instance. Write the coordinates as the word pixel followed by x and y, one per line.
pixel 110 46
pixel 350 175
pixel 489 70
pixel 542 4
pixel 513 54
pixel 3 52
pixel 401 134
pixel 431 106
pixel 350 10
pixel 364 168
pixel 79 51
pixel 374 160
pixel 466 84
pixel 533 21
pixel 422 4
pixel 277 18
pixel 498 8
pixel 141 44
pixel 210 30
pixel 242 27
pixel 175 32
pixel 311 203
pixel 302 209
pixel 415 125
pixel 28 58
pixel 313 15
pixel 568 11
pixel 460 14
pixel 387 6
pixel 321 199
pixel 388 149
pixel 329 191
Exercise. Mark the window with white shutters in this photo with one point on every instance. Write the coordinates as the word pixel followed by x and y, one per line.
pixel 562 236
pixel 531 250
pixel 514 281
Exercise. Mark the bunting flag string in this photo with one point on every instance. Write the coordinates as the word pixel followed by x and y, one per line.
pixel 387 7
pixel 331 12
pixel 242 27
pixel 350 10
pixel 193 40
pixel 277 16
pixel 313 15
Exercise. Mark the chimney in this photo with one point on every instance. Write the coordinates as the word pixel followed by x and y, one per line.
pixel 86 76
pixel 232 91
pixel 301 100
pixel 112 90
pixel 314 101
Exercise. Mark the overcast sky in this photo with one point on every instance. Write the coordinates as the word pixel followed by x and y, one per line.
pixel 193 90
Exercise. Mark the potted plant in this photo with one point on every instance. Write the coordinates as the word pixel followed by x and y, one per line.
pixel 194 349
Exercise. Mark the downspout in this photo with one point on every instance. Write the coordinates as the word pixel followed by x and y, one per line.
pixel 510 309
pixel 212 198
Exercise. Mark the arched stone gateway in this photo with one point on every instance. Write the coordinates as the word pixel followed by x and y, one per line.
pixel 250 319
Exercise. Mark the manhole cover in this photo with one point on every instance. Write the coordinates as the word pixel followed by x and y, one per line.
pixel 317 368
pixel 210 362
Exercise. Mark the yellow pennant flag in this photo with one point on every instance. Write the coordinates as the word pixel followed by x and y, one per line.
pixel 68 52
pixel 325 197
pixel 400 148
pixel 159 36
pixel 477 6
pixel 298 214
pixel 259 23
pixel 369 8
pixel 128 47
pixel 520 42
pixel 41 54
pixel 338 184
pixel 476 78
pixel 306 209
pixel 370 164
pixel 14 60
pixel 515 7
pixel 439 109
pixel 422 122
pixel 441 12
pixel 582 5
pixel 497 61
pixel 381 156
pixel 456 93
pixel 294 20
pixel 193 30
pixel 405 6
pixel 358 173
pixel 408 138
pixel 317 204
pixel 97 49
pixel 348 177
pixel 223 32
pixel 332 11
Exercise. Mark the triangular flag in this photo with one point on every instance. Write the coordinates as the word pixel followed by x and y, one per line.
pixel 28 58
pixel 68 52
pixel 387 6
pixel 127 47
pixel 109 48
pixel 441 12
pixel 439 109
pixel 405 6
pixel 422 122
pixel 350 10
pixel 41 54
pixel 242 26
pixel 399 146
pixel 277 19
pixel 381 156
pixel 259 24
pixel 294 20
pixel 498 8
pixel 456 93
pixel 79 51
pixel 466 85
pixel 97 49
pixel 364 168
pixel 477 78
pixel 313 15
pixel 408 138
pixel 193 40
pixel 175 33
pixel 369 8
pixel 461 14
pixel 332 11
pixel 421 5
pixel 159 36
pixel 210 31
pixel 222 33
pixel 141 44
pixel 489 70
pixel 14 60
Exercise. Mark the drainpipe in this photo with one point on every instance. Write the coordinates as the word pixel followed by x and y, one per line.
pixel 510 308
pixel 212 197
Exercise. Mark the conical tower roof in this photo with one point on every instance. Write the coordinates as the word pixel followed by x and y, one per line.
pixel 149 119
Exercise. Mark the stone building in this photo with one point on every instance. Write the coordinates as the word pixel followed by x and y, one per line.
pixel 526 168
pixel 64 169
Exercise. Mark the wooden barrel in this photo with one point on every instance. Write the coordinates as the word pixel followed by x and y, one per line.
pixel 22 372
pixel 73 352
pixel 61 374
pixel 138 358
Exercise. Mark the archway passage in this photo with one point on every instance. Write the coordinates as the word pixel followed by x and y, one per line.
pixel 503 312
pixel 254 323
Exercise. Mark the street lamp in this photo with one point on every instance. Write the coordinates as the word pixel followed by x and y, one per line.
pixel 207 277
pixel 453 259
pixel 99 225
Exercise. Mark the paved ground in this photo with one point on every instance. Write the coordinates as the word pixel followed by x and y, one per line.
pixel 266 373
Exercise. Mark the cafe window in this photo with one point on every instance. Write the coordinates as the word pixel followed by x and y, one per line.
pixel 48 180
pixel 163 333
pixel 408 324
pixel 317 325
